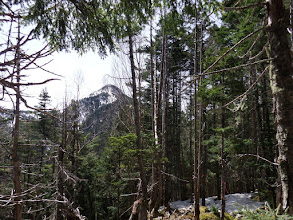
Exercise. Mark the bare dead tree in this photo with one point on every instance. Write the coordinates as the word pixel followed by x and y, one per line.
pixel 14 65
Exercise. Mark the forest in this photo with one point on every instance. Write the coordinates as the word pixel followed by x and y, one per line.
pixel 201 104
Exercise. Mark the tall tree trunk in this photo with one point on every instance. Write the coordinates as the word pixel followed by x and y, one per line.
pixel 281 75
pixel 180 151
pixel 200 134
pixel 143 208
pixel 15 157
pixel 204 164
pixel 199 156
pixel 195 149
pixel 164 125
pixel 60 159
pixel 291 22
pixel 159 119
pixel 195 160
pixel 156 168
pixel 223 180
pixel 191 144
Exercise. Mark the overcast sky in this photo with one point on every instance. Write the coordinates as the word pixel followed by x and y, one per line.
pixel 88 70
pixel 90 67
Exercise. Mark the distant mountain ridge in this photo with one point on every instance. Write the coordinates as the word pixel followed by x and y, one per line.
pixel 99 110
pixel 97 113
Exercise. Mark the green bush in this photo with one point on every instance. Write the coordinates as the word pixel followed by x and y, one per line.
pixel 264 214
pixel 215 211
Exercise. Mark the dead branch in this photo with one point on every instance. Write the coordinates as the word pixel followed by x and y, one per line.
pixel 257 55
pixel 244 7
pixel 42 68
pixel 248 90
pixel 125 211
pixel 251 47
pixel 34 84
pixel 174 177
pixel 220 58
pixel 119 78
pixel 258 157
pixel 235 45
pixel 235 67
pixel 8 7
pixel 130 194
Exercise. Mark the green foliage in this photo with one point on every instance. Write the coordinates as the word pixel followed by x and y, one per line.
pixel 107 177
pixel 267 213
pixel 108 167
pixel 205 214
pixel 89 26
pixel 215 210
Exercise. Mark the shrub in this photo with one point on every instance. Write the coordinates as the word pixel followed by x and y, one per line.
pixel 267 213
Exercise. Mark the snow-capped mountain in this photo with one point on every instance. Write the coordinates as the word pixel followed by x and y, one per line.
pixel 99 110
pixel 108 94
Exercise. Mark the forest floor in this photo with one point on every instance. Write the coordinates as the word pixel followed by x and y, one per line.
pixel 234 204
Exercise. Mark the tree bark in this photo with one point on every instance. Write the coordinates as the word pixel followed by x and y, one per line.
pixel 195 153
pixel 164 124
pixel 223 179
pixel 143 206
pixel 291 22
pixel 15 157
pixel 204 164
pixel 281 76
pixel 60 159
pixel 156 165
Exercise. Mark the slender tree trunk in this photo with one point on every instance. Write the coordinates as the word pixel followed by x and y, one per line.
pixel 75 147
pixel 267 121
pixel 143 209
pixel 15 157
pixel 164 125
pixel 60 159
pixel 195 160
pixel 200 134
pixel 204 165
pixel 162 108
pixel 191 145
pixel 199 152
pixel 195 149
pixel 281 75
pixel 156 168
pixel 159 118
pixel 223 179
pixel 291 22
pixel 180 151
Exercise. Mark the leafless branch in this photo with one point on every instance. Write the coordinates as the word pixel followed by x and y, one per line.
pixel 251 47
pixel 244 7
pixel 119 78
pixel 42 68
pixel 257 55
pixel 35 84
pixel 248 90
pixel 235 67
pixel 175 177
pixel 130 194
pixel 258 157
pixel 234 46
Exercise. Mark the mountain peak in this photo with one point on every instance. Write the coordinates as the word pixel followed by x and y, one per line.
pixel 99 110
pixel 109 89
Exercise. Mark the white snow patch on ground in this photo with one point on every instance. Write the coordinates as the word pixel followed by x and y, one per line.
pixel 181 204
pixel 234 202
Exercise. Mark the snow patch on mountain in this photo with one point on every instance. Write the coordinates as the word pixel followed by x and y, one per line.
pixel 97 100
pixel 109 92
